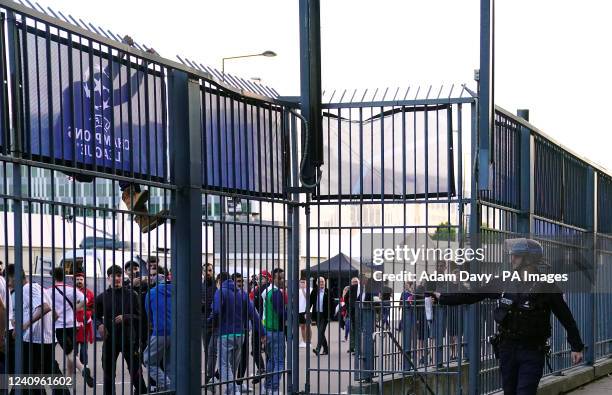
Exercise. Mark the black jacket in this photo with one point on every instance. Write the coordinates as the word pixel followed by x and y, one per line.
pixel 141 291
pixel 257 299
pixel 314 304
pixel 119 301
pixel 353 298
pixel 536 329
pixel 208 294
pixel 386 293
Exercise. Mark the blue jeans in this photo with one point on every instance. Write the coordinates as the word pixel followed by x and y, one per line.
pixel 158 350
pixel 347 327
pixel 229 356
pixel 275 346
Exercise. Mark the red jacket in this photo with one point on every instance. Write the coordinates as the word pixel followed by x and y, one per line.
pixel 85 329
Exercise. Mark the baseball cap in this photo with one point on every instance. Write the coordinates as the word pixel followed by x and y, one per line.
pixel 266 274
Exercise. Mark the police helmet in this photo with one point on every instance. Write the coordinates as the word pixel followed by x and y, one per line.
pixel 525 247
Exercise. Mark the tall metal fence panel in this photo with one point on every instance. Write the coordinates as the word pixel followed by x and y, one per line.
pixel 561 202
pixel 86 197
pixel 246 229
pixel 394 173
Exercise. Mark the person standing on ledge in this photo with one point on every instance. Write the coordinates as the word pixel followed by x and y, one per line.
pixel 523 320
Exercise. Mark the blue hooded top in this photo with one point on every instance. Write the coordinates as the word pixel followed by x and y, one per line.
pixel 158 305
pixel 231 309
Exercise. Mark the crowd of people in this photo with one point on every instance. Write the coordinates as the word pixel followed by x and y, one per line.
pixel 133 317
pixel 238 317
pixel 232 314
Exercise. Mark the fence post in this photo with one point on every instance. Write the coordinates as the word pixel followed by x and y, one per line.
pixel 473 332
pixel 486 103
pixel 186 172
pixel 293 351
pixel 364 343
pixel 310 85
pixel 591 225
pixel 408 360
pixel 481 140
pixel 14 72
pixel 526 169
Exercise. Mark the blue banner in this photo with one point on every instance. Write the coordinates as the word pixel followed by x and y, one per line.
pixel 91 108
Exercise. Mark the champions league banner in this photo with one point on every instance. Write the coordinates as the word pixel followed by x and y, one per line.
pixel 400 153
pixel 242 144
pixel 91 109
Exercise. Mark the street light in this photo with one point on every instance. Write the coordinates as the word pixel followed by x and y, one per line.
pixel 267 54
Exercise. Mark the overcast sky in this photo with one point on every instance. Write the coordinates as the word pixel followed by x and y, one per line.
pixel 552 56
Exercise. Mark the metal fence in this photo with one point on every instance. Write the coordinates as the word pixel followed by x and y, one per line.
pixel 172 202
pixel 394 169
pixel 551 194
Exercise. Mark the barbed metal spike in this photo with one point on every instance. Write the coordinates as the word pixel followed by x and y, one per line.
pixel 41 8
pixel 52 12
pixel 385 94
pixel 407 91
pixel 63 17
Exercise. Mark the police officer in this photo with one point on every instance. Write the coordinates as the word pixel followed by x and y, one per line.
pixel 523 319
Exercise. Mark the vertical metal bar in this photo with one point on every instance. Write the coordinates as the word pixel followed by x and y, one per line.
pixel 14 71
pixel 186 172
pixel 293 354
pixel 474 234
pixel 526 168
pixel 591 227
pixel 485 87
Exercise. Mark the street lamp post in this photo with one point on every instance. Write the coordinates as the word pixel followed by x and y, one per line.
pixel 267 54
pixel 223 231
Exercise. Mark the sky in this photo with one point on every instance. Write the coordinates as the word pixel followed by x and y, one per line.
pixel 550 55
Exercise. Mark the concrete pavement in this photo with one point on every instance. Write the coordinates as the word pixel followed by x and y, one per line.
pixel 602 386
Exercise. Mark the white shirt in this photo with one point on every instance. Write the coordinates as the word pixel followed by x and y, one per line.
pixel 321 296
pixel 11 310
pixel 3 291
pixel 360 295
pixel 61 304
pixel 303 300
pixel 3 298
pixel 429 308
pixel 42 330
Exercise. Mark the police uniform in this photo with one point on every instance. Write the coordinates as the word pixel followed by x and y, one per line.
pixel 523 325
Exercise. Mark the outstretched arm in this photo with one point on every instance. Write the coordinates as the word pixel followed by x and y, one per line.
pixel 452 299
pixel 487 291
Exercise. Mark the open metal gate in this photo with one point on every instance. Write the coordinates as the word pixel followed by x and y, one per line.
pixel 396 173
